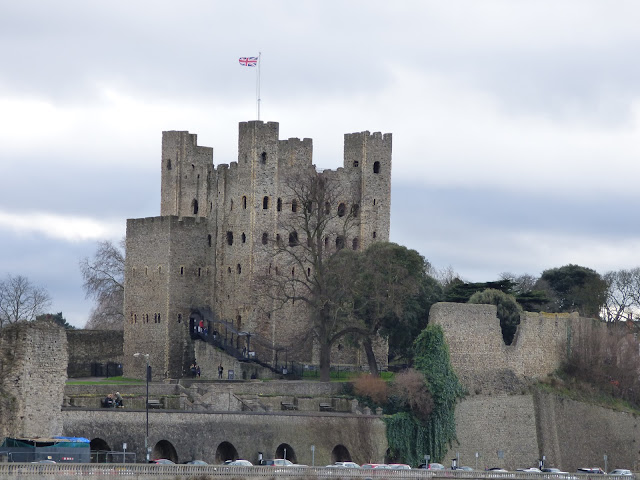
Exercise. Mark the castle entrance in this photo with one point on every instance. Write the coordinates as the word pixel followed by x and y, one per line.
pixel 340 453
pixel 287 452
pixel 164 449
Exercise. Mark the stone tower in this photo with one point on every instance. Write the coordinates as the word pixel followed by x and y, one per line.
pixel 206 249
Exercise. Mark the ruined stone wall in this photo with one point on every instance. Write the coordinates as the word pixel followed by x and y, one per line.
pixel 86 347
pixel 33 371
pixel 482 360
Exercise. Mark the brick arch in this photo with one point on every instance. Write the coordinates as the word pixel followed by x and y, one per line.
pixel 340 453
pixel 98 445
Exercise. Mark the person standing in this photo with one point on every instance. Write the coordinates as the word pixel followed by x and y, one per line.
pixel 220 370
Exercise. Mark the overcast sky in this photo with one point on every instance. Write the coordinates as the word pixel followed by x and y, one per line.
pixel 516 124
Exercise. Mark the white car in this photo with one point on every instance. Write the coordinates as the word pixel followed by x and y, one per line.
pixel 529 470
pixel 240 463
pixel 621 471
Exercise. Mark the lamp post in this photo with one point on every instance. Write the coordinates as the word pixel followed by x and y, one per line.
pixel 146 437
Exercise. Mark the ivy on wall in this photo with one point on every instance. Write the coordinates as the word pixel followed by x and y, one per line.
pixel 410 439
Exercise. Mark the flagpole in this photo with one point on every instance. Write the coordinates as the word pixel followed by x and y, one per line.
pixel 258 85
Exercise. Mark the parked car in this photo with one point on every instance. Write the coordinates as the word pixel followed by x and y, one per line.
pixel 399 466
pixel 239 463
pixel 497 469
pixel 554 470
pixel 529 470
pixel 596 470
pixel 197 462
pixel 432 466
pixel 381 466
pixel 277 462
pixel 465 469
pixel 344 465
pixel 162 461
pixel 621 471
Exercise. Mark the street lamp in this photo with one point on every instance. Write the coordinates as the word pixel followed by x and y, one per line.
pixel 146 437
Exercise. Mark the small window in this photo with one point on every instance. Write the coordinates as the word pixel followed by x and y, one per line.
pixel 209 240
pixel 265 238
pixel 244 202
pixel 194 206
pixel 158 318
pixel 278 240
pixel 228 269
pixel 168 164
pixel 341 210
pixel 339 242
pixel 293 239
pixel 294 206
pixel 239 269
pixel 229 238
pixel 244 238
pixel 293 272
pixel 356 163
pixel 265 203
pixel 374 234
pixel 181 270
pixel 263 158
pixel 231 205
pixel 199 271
pixel 326 242
pixel 376 167
pixel 179 318
pixel 308 272
pixel 355 243
pixel 279 205
pixel 146 270
pixel 135 318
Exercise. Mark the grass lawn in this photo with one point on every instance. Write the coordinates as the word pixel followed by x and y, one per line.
pixel 106 381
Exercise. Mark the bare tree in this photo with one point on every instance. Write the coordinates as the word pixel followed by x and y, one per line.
pixel 21 300
pixel 104 281
pixel 623 294
pixel 310 266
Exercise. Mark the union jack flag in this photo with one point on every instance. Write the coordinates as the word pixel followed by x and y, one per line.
pixel 248 61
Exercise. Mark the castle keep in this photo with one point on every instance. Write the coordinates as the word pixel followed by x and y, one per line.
pixel 203 257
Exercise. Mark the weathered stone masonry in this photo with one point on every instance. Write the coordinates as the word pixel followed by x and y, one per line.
pixel 207 248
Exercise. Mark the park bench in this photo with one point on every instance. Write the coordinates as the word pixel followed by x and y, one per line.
pixel 288 406
pixel 326 407
pixel 154 403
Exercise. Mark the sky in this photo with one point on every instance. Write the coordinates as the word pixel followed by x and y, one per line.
pixel 516 123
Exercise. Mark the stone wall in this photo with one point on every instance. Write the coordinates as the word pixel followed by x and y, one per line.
pixel 482 360
pixel 87 347
pixel 203 435
pixel 514 431
pixel 33 371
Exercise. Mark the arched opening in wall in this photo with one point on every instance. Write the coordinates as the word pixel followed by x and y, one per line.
pixel 293 239
pixel 244 238
pixel 339 242
pixel 226 451
pixel 244 202
pixel 194 206
pixel 230 238
pixel 294 205
pixel 279 204
pixel 376 167
pixel 265 203
pixel 164 449
pixel 285 451
pixel 355 244
pixel 263 158
pixel 265 238
pixel 340 453
pixel 99 449
pixel 341 210
pixel 168 164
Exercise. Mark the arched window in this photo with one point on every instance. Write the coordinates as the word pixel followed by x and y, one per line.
pixel 341 210
pixel 279 205
pixel 376 167
pixel 209 239
pixel 339 242
pixel 265 203
pixel 265 238
pixel 194 206
pixel 244 202
pixel 294 206
pixel 263 158
pixel 244 238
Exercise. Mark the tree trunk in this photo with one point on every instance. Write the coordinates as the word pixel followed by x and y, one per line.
pixel 371 358
pixel 325 362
